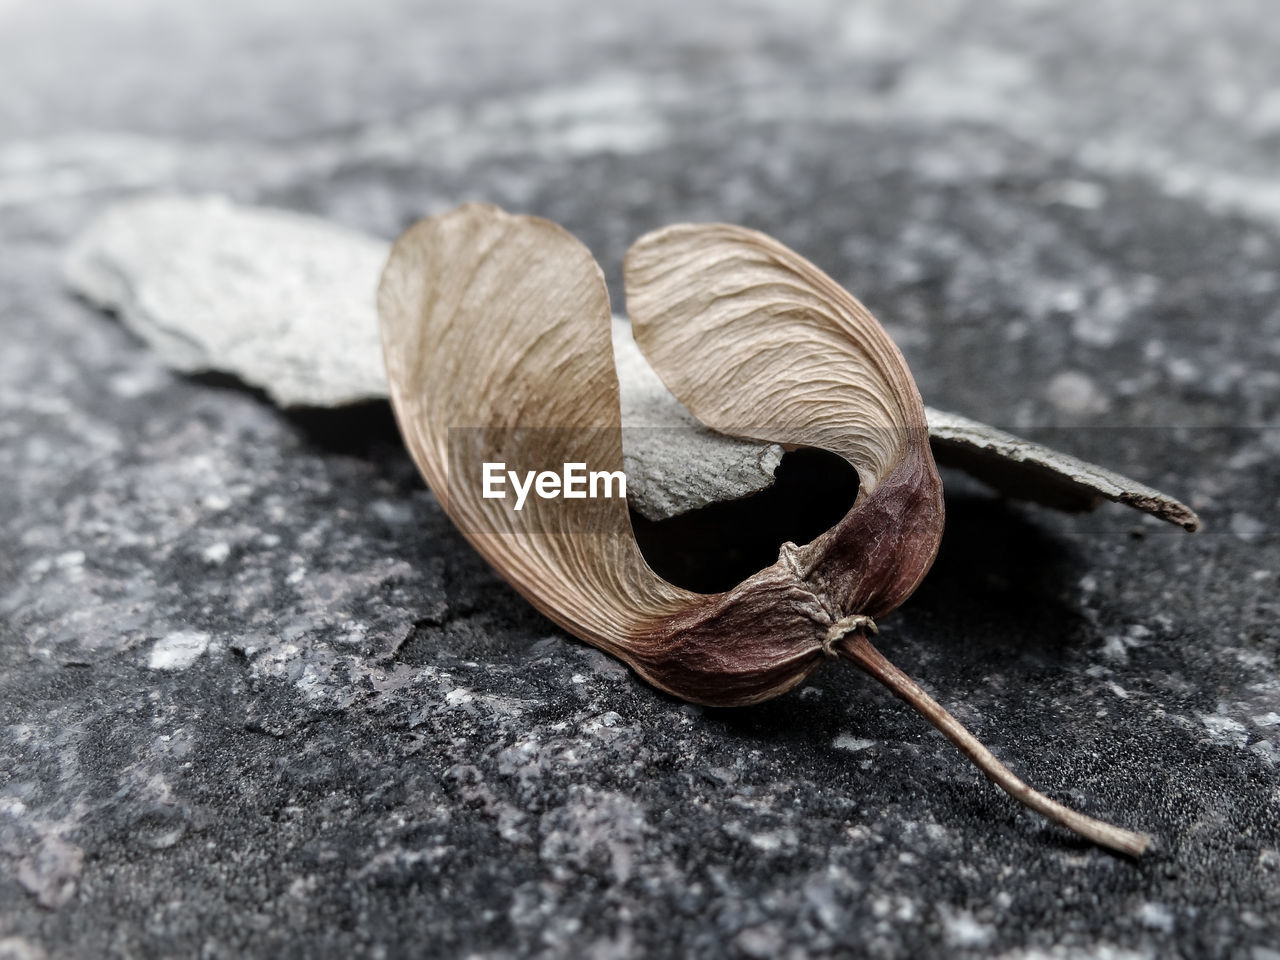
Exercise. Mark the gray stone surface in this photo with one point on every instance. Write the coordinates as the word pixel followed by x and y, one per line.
pixel 259 698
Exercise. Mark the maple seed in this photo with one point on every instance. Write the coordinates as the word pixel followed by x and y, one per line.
pixel 757 343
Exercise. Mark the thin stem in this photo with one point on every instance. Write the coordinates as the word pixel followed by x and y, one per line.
pixel 857 648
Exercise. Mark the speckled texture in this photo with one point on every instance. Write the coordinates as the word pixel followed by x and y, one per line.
pixel 260 699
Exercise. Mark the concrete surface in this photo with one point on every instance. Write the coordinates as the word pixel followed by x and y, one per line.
pixel 260 699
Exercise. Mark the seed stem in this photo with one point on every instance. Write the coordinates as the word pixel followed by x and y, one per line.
pixel 857 648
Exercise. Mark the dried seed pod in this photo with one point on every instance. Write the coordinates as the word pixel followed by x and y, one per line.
pixel 496 330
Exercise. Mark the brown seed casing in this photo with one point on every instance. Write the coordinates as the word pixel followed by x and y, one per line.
pixel 496 333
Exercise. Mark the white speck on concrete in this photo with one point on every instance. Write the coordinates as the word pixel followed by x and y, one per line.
pixel 458 697
pixel 1081 194
pixel 132 384
pixel 178 650
pixel 1246 527
pixel 51 872
pixel 1101 323
pixel 962 930
pixel 851 743
pixel 1075 393
pixel 1095 951
pixel 1225 730
pixel 1115 649
pixel 1267 751
pixel 20 948
pixel 216 553
pixel 215 502
pixel 1156 916
pixel 394 514
pixel 1182 371
pixel 762 942
pixel 772 840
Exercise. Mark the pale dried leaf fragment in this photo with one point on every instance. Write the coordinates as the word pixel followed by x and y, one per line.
pixel 1031 471
pixel 280 299
pixel 675 464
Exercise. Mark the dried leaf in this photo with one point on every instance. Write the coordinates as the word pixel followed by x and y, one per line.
pixel 280 299
pixel 1030 471
pixel 496 334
